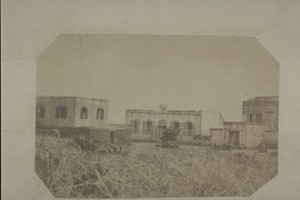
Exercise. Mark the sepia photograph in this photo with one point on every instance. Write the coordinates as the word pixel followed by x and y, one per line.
pixel 152 116
pixel 150 99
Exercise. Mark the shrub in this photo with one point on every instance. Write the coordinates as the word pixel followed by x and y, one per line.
pixel 262 148
pixel 90 143
pixel 170 138
pixel 146 171
pixel 86 142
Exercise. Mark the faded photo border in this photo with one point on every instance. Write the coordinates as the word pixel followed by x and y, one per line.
pixel 28 28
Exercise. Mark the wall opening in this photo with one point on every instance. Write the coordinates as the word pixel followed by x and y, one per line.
pixel 135 125
pixel 83 113
pixel 176 124
pixel 250 118
pixel 234 138
pixel 112 137
pixel 100 114
pixel 189 126
pixel 149 125
pixel 162 126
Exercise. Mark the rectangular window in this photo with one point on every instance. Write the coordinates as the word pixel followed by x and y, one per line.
pixel 176 125
pixel 189 128
pixel 148 127
pixel 100 114
pixel 84 113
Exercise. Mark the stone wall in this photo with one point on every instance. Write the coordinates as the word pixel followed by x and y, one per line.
pixel 189 122
pixel 217 136
pixel 253 136
pixel 119 137
pixel 262 111
pixel 92 105
pixel 46 115
pixel 270 139
pixel 168 118
pixel 50 104
pixel 122 137
pixel 210 120
pixel 250 136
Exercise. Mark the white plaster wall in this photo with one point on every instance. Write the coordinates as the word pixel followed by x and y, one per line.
pixel 210 120
pixel 92 105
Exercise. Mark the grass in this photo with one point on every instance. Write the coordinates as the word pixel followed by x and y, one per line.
pixel 145 171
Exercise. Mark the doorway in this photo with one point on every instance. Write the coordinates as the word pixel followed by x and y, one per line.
pixel 235 138
pixel 112 137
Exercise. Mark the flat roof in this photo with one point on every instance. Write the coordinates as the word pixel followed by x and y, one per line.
pixel 75 97
pixel 229 123
pixel 195 112
pixel 263 99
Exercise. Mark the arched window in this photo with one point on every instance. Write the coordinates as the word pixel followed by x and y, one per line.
pixel 149 124
pixel 100 114
pixel 40 111
pixel 135 125
pixel 189 128
pixel 61 112
pixel 147 127
pixel 162 126
pixel 175 124
pixel 83 113
pixel 250 117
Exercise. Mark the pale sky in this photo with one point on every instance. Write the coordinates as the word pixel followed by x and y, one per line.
pixel 210 73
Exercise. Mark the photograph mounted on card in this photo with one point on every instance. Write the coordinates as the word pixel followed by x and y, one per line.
pixel 154 116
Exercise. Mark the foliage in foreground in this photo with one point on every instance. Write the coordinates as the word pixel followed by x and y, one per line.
pixel 169 138
pixel 146 171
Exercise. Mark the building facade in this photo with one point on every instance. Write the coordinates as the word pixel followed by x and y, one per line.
pixel 259 125
pixel 61 112
pixel 151 123
pixel 262 111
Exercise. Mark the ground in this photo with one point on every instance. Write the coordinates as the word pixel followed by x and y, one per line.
pixel 142 170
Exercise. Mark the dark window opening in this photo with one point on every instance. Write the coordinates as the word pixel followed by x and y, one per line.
pixel 84 113
pixel 162 126
pixel 250 118
pixel 61 112
pixel 234 138
pixel 189 128
pixel 148 126
pixel 136 126
pixel 100 114
pixel 176 125
pixel 112 137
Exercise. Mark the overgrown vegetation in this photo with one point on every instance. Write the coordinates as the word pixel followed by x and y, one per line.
pixel 204 140
pixel 145 171
pixel 169 138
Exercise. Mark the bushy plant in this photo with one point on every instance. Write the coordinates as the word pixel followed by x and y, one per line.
pixel 146 171
pixel 170 138
pixel 262 148
pixel 86 142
